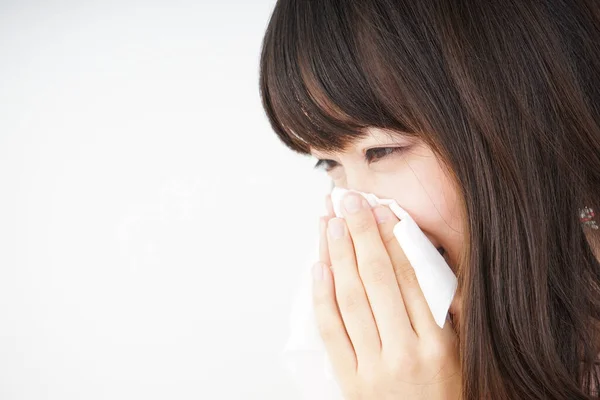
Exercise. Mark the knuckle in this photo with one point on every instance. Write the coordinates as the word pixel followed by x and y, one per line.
pixel 327 331
pixel 433 352
pixel 371 377
pixel 342 260
pixel 387 236
pixel 375 272
pixel 361 224
pixel 350 300
pixel 406 273
pixel 437 352
pixel 404 364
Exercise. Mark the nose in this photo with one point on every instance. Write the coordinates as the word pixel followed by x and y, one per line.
pixel 360 180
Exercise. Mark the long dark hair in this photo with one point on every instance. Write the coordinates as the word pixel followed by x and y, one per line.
pixel 507 95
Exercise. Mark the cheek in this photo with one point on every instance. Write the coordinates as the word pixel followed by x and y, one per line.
pixel 428 195
pixel 439 212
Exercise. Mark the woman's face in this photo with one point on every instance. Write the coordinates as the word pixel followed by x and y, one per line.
pixel 411 175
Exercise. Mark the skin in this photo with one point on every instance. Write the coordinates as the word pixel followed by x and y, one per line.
pixel 414 178
pixel 380 336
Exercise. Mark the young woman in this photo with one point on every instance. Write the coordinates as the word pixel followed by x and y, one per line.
pixel 482 120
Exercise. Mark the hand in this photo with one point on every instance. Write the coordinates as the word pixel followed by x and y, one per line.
pixel 379 333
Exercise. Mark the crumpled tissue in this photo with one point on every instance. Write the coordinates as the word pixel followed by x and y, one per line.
pixel 304 354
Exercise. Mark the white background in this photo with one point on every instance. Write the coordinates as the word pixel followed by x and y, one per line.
pixel 152 226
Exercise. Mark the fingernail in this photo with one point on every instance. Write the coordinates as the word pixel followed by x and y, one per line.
pixel 354 202
pixel 382 214
pixel 336 228
pixel 317 271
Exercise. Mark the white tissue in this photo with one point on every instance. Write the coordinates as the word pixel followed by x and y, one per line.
pixel 304 353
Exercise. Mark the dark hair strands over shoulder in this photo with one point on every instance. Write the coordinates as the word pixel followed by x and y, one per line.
pixel 507 95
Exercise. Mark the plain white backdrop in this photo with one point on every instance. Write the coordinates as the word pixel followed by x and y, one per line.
pixel 152 226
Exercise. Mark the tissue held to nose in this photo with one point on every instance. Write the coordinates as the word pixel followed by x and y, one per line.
pixel 435 277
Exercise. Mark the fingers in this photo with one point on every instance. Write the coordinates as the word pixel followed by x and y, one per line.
pixel 350 294
pixel 375 271
pixel 330 324
pixel 414 301
pixel 328 317
pixel 323 247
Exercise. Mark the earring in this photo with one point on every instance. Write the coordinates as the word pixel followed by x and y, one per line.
pixel 587 217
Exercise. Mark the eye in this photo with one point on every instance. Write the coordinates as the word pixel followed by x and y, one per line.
pixel 326 165
pixel 371 155
pixel 376 154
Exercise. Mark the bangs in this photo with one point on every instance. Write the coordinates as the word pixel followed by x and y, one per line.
pixel 322 80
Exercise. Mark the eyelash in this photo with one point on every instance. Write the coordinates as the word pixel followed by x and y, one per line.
pixel 328 165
